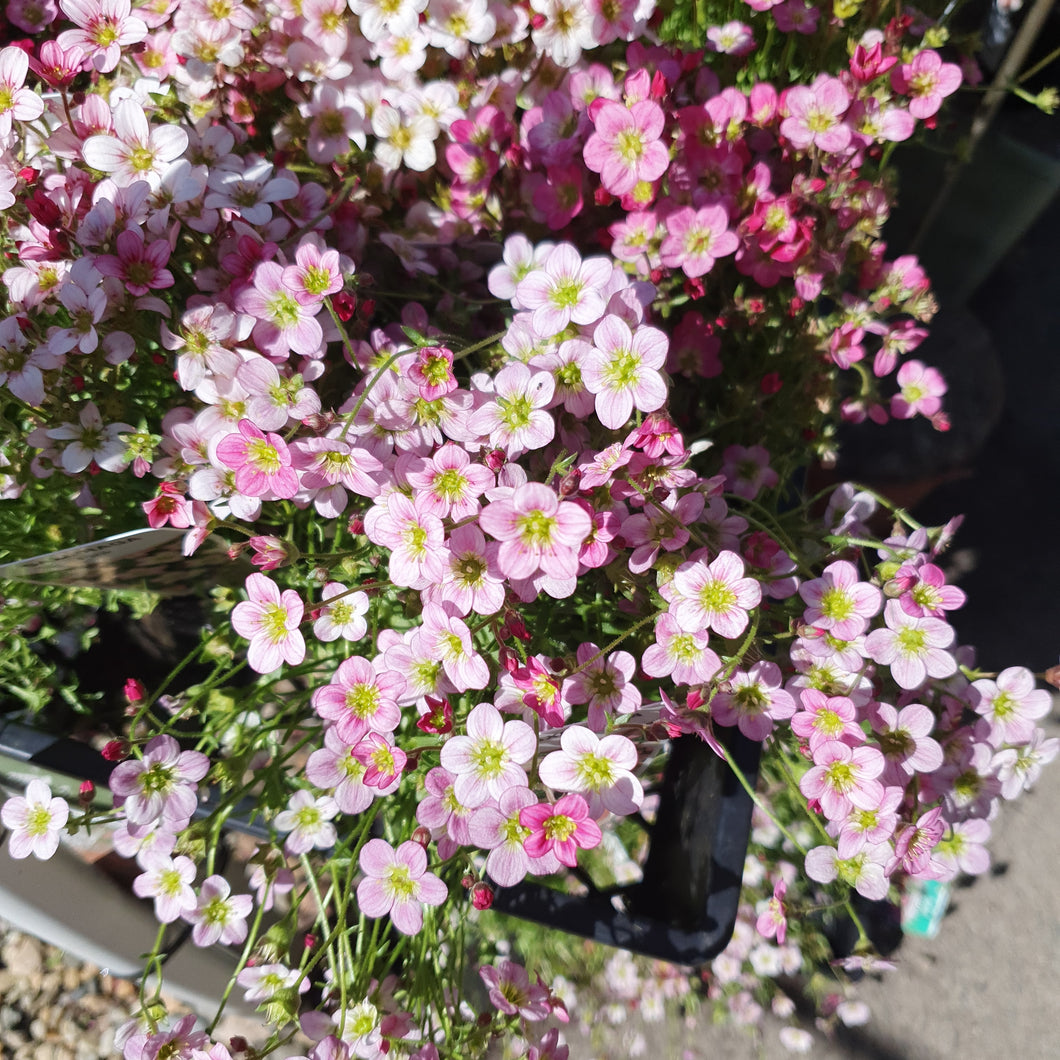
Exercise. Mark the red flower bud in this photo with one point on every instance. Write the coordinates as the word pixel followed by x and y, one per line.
pixel 482 895
pixel 86 793
pixel 134 690
pixel 115 751
pixel 422 836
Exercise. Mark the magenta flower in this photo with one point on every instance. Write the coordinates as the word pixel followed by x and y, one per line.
pixel 36 821
pixel 432 372
pixel 219 915
pixel 269 619
pixel 497 829
pixel 626 148
pixel 490 758
pixel 714 596
pixel 262 462
pixel 138 264
pixel 382 759
pixel 838 602
pixel 622 370
pixel 696 239
pixel 815 115
pixel 927 80
pixel 537 531
pixel 161 784
pixel 397 882
pixel 560 828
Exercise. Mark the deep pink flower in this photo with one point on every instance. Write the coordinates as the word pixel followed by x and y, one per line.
pixel 262 462
pixel 138 264
pixel 772 920
pixel 560 828
pixel 921 391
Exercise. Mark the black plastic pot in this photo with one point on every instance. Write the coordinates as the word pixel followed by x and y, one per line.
pixel 684 909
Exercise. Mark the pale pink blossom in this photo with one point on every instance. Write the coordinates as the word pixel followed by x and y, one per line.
pixel 269 619
pixel 307 822
pixel 489 759
pixel 105 29
pixel 396 882
pixel 625 147
pixel 361 697
pixel 714 596
pixel 865 871
pixel 844 777
pixel 17 103
pixel 219 915
pixel 622 370
pixel 36 821
pixel 262 462
pixel 169 882
pixel 913 648
pixel 815 115
pixel 342 617
pixel 564 289
pixel 161 784
pixel 695 239
pixel 754 701
pixel 599 769
pixel 605 683
pixel 136 150
pixel 838 602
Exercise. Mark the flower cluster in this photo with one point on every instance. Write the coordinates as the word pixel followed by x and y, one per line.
pixel 491 333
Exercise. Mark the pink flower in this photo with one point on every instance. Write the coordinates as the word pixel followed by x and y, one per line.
pixel 497 829
pixel 135 151
pixel 714 596
pixel 927 80
pixel 138 264
pixel 432 372
pixel 838 602
pixel 903 736
pixel 816 115
pixel 489 759
pixel 105 29
pixel 599 768
pixel 1011 704
pixel 17 103
pixel 622 370
pixel 605 682
pixel 914 648
pixel 512 993
pixel 772 921
pixel 825 718
pixel 169 882
pixel 755 700
pixel 341 614
pixel 36 821
pixel 362 697
pixel 382 759
pixel 415 537
pixel 682 656
pixel 696 239
pixel 450 483
pixel 564 289
pixel 517 419
pixel 865 871
pixel 161 784
pixel 397 882
pixel 307 820
pixel 625 148
pixel 537 531
pixel 925 592
pixel 448 638
pixel 560 828
pixel 921 391
pixel 262 463
pixel 844 777
pixel 284 324
pixel 219 915
pixel 747 471
pixel 270 620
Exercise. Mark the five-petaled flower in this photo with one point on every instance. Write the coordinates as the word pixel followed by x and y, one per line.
pixel 36 820
pixel 397 882
pixel 269 619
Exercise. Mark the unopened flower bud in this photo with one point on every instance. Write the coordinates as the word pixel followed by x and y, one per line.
pixel 355 525
pixel 135 692
pixel 569 483
pixel 309 941
pixel 115 751
pixel 481 895
pixel 86 793
pixel 422 836
pixel 495 459
pixel 238 1044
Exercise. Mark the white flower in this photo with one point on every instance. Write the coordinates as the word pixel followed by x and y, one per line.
pixel 90 440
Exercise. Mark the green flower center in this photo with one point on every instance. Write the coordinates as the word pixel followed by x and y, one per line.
pixel 362 701
pixel 622 370
pixel 535 529
pixel 559 827
pixel 596 772
pixel 488 759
